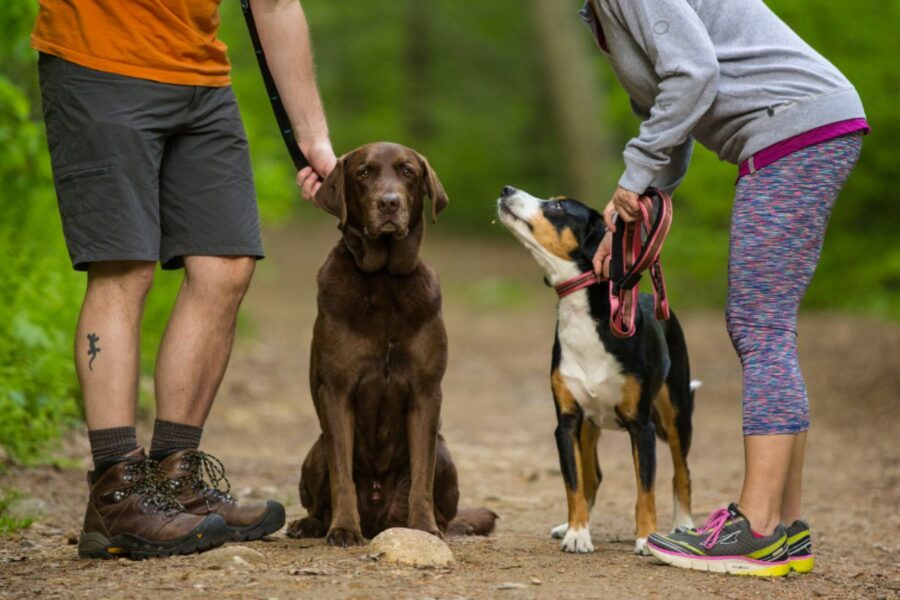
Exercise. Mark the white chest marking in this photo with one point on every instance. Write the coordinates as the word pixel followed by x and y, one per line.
pixel 593 375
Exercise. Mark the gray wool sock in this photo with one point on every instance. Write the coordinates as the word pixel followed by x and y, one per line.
pixel 169 437
pixel 109 445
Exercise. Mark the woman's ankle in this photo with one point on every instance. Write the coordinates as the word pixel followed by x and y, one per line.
pixel 789 517
pixel 762 522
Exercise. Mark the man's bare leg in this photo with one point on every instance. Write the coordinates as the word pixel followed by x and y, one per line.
pixel 197 343
pixel 107 341
pixel 192 360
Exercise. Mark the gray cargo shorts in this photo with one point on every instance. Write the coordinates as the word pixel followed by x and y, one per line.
pixel 145 170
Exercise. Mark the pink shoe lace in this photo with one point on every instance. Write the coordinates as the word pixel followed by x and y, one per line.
pixel 714 525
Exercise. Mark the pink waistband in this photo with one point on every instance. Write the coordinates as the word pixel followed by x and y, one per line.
pixel 767 156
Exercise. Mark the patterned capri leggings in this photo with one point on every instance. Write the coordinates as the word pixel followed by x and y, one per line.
pixel 777 228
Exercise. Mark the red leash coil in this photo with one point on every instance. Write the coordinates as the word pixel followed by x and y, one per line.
pixel 636 248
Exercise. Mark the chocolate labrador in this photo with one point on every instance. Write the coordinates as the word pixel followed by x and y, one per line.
pixel 379 352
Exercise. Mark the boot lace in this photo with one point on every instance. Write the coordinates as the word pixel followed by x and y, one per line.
pixel 154 484
pixel 207 476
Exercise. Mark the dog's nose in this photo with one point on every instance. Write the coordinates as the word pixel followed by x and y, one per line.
pixel 507 191
pixel 389 203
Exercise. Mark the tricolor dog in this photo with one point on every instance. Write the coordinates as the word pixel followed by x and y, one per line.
pixel 640 384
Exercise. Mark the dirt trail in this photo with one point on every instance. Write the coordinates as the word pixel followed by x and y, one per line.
pixel 498 420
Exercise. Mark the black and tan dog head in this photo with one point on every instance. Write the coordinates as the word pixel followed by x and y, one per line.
pixel 378 192
pixel 561 233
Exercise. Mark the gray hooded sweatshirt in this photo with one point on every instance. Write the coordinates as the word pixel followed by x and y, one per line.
pixel 729 73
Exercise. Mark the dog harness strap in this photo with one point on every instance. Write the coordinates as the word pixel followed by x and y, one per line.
pixel 281 116
pixel 579 282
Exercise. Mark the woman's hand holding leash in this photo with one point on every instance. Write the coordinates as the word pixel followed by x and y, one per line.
pixel 625 203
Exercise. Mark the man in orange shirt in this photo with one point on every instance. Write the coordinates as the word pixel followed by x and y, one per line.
pixel 151 163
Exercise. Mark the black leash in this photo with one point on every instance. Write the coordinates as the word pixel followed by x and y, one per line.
pixel 281 116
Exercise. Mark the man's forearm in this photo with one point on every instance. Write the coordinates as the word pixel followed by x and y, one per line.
pixel 285 38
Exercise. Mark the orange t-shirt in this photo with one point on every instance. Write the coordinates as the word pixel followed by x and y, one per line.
pixel 171 41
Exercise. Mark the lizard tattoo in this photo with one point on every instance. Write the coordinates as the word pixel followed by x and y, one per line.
pixel 94 350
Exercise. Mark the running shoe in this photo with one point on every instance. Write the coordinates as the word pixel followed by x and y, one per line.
pixel 725 544
pixel 800 547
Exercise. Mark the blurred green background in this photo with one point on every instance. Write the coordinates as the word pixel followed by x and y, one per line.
pixel 493 93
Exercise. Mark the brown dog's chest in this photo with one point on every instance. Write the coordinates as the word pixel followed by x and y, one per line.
pixel 382 306
pixel 382 333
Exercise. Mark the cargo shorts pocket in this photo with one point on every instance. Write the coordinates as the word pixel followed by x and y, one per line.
pixel 88 204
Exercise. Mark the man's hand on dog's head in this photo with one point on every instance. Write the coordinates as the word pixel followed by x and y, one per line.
pixel 322 160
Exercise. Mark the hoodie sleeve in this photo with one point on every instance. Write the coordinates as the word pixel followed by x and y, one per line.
pixel 671 176
pixel 682 55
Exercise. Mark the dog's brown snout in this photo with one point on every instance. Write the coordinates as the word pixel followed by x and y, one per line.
pixel 389 203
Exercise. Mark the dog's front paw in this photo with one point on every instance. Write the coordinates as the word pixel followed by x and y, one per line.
pixel 578 541
pixel 339 536
pixel 428 526
pixel 559 532
pixel 682 518
pixel 307 527
pixel 640 547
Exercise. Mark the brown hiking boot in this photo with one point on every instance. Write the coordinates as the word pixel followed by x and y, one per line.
pixel 132 511
pixel 197 477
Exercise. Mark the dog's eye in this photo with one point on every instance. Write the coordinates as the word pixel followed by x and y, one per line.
pixel 364 173
pixel 407 172
pixel 556 206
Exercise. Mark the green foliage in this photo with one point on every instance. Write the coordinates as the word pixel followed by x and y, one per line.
pixel 458 81
pixel 11 524
pixel 38 298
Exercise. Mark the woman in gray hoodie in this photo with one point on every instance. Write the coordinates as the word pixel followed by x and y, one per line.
pixel 733 76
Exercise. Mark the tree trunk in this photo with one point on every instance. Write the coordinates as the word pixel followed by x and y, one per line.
pixel 576 94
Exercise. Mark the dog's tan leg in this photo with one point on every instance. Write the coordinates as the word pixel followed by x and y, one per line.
pixel 644 508
pixel 590 469
pixel 570 422
pixel 337 420
pixel 643 450
pixel 681 481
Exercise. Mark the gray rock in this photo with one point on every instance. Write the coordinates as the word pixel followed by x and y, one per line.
pixel 412 548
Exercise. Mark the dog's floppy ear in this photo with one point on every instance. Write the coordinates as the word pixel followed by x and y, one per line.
pixel 332 195
pixel 594 232
pixel 434 188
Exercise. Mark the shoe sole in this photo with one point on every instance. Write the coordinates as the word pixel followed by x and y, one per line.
pixel 209 534
pixel 271 521
pixel 803 565
pixel 732 565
